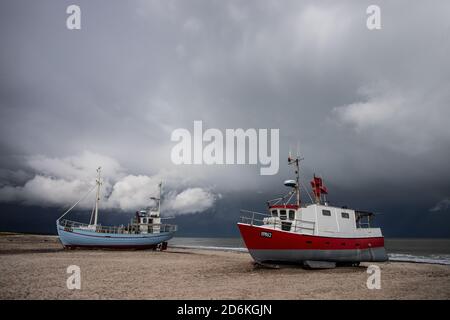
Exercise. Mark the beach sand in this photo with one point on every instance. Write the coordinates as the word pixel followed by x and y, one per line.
pixel 35 267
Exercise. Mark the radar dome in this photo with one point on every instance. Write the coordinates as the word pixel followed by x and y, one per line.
pixel 290 183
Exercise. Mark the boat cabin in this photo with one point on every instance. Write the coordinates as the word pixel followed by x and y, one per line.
pixel 147 221
pixel 317 219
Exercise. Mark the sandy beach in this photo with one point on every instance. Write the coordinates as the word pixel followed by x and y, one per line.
pixel 34 267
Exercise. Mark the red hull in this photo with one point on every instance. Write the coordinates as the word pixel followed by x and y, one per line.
pixel 265 244
pixel 294 241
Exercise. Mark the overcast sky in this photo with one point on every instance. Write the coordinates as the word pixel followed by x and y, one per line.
pixel 369 109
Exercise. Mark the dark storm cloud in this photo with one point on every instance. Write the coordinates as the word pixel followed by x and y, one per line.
pixel 369 108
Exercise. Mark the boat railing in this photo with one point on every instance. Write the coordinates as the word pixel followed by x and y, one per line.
pixel 258 219
pixel 112 229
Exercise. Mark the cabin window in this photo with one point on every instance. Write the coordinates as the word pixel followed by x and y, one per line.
pixel 274 213
pixel 283 214
pixel 326 213
pixel 144 220
pixel 291 214
pixel 345 215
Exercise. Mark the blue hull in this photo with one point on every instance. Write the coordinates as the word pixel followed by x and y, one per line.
pixel 81 238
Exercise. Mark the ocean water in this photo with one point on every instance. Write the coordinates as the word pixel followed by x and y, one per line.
pixel 436 251
pixel 419 250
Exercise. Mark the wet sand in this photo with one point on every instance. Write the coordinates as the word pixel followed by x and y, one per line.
pixel 34 267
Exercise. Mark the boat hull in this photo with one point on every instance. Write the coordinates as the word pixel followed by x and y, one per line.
pixel 270 245
pixel 79 238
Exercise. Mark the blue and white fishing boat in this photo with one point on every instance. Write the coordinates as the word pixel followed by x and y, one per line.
pixel 145 230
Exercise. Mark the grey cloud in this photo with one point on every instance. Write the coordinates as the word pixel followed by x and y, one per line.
pixel 61 182
pixel 370 108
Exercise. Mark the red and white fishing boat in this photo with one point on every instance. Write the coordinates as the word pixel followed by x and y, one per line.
pixel 317 235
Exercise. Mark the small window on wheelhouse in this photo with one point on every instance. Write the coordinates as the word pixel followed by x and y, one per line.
pixel 326 213
pixel 291 214
pixel 345 215
pixel 283 214
pixel 274 213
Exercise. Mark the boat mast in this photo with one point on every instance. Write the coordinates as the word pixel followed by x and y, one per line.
pixel 297 180
pixel 295 161
pixel 159 199
pixel 97 199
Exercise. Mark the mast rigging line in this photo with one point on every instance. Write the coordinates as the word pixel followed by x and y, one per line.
pixel 306 189
pixel 92 213
pixel 82 198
